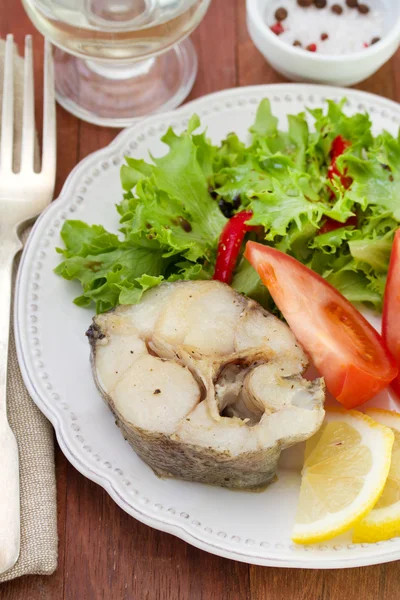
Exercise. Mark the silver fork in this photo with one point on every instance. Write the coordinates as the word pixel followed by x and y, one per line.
pixel 23 196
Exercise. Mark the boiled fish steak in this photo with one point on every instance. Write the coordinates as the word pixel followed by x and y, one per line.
pixel 205 384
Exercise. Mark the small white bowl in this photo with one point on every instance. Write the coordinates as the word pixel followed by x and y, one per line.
pixel 300 65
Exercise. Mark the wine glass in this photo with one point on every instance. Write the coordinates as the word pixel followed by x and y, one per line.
pixel 119 60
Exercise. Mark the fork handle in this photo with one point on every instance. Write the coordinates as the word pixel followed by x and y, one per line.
pixel 9 246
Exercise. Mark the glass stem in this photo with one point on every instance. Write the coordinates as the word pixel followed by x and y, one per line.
pixel 121 71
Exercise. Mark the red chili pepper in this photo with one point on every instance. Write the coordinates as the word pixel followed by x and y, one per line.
pixel 339 146
pixel 277 28
pixel 331 225
pixel 229 245
pixel 312 47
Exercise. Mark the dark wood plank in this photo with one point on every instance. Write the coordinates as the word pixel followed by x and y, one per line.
pixel 215 41
pixel 45 587
pixel 370 583
pixel 280 584
pixel 108 554
pixel 111 555
pixel 396 75
pixel 252 67
pixel 13 19
pixel 103 552
pixel 382 82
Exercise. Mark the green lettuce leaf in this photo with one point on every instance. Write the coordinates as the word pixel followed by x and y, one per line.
pixel 171 220
pixel 247 281
pixel 112 274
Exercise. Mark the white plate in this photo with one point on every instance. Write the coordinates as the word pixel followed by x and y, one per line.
pixel 54 355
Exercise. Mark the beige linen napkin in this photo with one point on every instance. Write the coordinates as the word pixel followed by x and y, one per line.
pixel 34 436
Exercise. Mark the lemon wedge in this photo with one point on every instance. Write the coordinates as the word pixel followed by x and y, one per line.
pixel 383 522
pixel 345 470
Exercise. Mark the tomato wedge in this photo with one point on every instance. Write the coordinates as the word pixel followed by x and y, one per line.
pixel 391 308
pixel 345 348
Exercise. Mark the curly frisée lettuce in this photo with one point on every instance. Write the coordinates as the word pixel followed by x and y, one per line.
pixel 174 209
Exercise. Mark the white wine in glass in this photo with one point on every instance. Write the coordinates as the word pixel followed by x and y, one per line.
pixel 118 60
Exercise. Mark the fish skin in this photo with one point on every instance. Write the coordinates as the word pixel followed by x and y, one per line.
pixel 250 456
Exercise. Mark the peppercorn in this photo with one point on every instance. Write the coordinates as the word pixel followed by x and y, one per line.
pixel 281 14
pixel 324 36
pixel 352 3
pixel 304 3
pixel 297 43
pixel 363 9
pixel 311 47
pixel 337 9
pixel 320 3
pixel 375 40
pixel 226 208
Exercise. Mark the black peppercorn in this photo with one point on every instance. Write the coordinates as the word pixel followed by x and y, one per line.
pixel 352 3
pixel 320 3
pixel 363 9
pixel 304 3
pixel 337 9
pixel 281 14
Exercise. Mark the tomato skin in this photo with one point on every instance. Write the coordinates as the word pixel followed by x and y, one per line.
pixel 395 385
pixel 391 308
pixel 357 379
pixel 345 348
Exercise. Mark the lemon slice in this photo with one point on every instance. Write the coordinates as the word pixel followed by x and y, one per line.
pixel 345 470
pixel 383 522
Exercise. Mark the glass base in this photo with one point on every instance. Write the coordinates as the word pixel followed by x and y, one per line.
pixel 117 96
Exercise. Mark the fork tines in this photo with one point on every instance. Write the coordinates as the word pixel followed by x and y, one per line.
pixel 28 119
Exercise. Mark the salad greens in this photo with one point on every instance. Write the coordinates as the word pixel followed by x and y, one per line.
pixel 172 211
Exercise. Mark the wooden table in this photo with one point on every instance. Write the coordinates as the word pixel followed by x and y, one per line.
pixel 103 552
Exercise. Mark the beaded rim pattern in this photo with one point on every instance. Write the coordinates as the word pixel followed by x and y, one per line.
pixel 69 431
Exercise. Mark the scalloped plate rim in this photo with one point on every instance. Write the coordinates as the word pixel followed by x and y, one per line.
pixel 100 476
